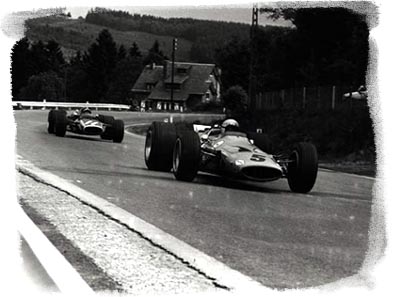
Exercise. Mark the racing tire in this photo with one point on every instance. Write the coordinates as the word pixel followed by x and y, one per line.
pixel 262 141
pixel 183 126
pixel 60 123
pixel 51 121
pixel 108 120
pixel 159 146
pixel 303 168
pixel 118 129
pixel 186 156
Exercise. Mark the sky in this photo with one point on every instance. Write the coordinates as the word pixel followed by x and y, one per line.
pixel 229 13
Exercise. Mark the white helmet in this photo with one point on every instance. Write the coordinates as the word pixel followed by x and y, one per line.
pixel 85 110
pixel 230 122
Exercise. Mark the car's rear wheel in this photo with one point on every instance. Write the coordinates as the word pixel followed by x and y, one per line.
pixel 186 156
pixel 108 120
pixel 118 129
pixel 60 122
pixel 303 167
pixel 159 146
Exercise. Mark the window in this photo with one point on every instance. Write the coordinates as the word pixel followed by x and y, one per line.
pixel 150 86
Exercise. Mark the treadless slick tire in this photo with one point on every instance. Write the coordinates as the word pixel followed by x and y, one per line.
pixel 118 129
pixel 302 171
pixel 60 122
pixel 51 122
pixel 186 156
pixel 109 120
pixel 159 146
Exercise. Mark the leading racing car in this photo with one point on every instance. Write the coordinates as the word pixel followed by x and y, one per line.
pixel 84 122
pixel 225 150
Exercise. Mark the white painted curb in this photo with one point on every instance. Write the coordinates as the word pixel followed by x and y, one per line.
pixel 223 275
pixel 68 281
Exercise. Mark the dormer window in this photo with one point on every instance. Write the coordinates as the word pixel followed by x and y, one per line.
pixel 150 86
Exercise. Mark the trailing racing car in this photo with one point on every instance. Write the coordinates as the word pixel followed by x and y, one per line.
pixel 84 122
pixel 225 150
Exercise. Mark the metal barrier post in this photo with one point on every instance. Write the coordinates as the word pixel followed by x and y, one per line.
pixel 333 97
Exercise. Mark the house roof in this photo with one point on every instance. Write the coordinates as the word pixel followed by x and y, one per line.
pixel 195 80
pixel 178 79
pixel 151 74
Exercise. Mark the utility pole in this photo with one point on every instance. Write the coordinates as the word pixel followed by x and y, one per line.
pixel 253 58
pixel 174 48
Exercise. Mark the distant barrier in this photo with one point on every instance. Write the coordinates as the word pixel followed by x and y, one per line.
pixel 67 105
pixel 311 98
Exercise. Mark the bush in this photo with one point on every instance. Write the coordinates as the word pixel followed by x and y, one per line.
pixel 335 133
pixel 235 102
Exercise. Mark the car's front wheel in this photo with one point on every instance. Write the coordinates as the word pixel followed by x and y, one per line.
pixel 303 167
pixel 109 121
pixel 118 128
pixel 60 122
pixel 186 156
pixel 51 121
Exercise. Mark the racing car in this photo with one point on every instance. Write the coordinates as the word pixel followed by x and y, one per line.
pixel 84 122
pixel 187 149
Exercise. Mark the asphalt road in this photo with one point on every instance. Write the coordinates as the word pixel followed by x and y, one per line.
pixel 279 238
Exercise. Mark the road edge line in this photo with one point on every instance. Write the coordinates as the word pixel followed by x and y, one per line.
pixel 134 134
pixel 349 174
pixel 66 278
pixel 224 275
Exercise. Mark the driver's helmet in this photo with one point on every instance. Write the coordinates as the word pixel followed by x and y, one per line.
pixel 362 89
pixel 85 110
pixel 229 124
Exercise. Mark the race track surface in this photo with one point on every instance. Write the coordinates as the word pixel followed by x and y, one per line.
pixel 279 238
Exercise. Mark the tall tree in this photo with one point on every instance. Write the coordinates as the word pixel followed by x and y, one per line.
pixel 55 57
pixel 134 51
pixel 45 85
pixel 20 57
pixel 233 59
pixel 100 61
pixel 155 55
pixel 77 79
pixel 121 52
pixel 333 43
pixel 125 74
pixel 39 57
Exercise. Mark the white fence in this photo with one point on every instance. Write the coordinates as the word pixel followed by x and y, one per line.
pixel 67 105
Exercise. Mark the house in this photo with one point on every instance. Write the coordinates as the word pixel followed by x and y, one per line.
pixel 192 85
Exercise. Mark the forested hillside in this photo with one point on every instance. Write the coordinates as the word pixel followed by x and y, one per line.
pixel 207 36
pixel 76 35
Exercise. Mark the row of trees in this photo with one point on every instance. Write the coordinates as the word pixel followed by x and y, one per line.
pixel 205 35
pixel 325 46
pixel 104 73
pixel 328 46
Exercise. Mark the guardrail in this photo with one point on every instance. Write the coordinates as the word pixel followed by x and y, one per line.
pixel 67 105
